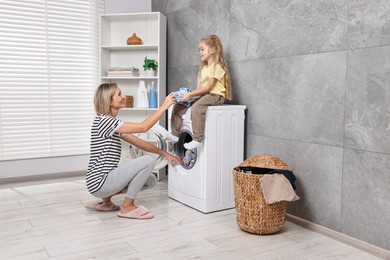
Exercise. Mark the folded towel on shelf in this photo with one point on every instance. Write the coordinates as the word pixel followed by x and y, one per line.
pixel 123 72
pixel 123 69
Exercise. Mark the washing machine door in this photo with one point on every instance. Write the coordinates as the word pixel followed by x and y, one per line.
pixel 154 136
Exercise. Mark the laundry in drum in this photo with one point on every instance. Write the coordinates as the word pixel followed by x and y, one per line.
pixel 189 158
pixel 179 96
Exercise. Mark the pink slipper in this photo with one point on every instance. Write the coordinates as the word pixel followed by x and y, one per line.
pixel 139 213
pixel 95 206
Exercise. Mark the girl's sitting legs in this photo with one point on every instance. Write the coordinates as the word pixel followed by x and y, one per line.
pixel 198 118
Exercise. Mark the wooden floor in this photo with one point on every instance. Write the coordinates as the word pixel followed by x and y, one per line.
pixel 47 220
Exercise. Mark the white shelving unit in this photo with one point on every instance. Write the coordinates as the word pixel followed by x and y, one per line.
pixel 114 52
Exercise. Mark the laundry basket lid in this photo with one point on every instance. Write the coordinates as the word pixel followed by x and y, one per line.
pixel 265 161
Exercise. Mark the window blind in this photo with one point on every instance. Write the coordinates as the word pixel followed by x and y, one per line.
pixel 49 62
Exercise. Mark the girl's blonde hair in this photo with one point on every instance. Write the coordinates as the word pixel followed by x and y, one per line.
pixel 103 97
pixel 218 56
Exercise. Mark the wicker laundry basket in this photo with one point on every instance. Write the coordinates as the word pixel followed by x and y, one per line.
pixel 254 215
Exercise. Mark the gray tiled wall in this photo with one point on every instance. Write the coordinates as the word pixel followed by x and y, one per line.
pixel 315 77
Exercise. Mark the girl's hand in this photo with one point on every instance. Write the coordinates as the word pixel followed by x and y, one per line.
pixel 186 97
pixel 173 160
pixel 169 100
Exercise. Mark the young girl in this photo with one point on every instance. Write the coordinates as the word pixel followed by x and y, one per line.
pixel 105 178
pixel 214 87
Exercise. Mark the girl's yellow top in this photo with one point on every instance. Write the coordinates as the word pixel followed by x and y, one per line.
pixel 213 71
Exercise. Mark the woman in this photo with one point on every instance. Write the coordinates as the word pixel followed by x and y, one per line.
pixel 105 178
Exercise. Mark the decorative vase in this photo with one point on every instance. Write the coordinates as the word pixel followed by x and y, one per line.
pixel 134 40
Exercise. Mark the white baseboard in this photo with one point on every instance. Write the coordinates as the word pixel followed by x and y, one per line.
pixel 47 165
pixel 42 177
pixel 369 248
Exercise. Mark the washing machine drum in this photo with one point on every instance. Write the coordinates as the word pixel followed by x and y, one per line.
pixel 155 136
pixel 189 156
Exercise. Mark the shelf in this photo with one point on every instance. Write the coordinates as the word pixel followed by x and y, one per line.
pixel 115 29
pixel 132 78
pixel 130 47
pixel 140 109
pixel 132 16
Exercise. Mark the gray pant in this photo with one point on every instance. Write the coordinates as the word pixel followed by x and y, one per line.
pixel 128 178
pixel 198 115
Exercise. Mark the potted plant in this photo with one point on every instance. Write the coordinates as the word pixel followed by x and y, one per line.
pixel 150 66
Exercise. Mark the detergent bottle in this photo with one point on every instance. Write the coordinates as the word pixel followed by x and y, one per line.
pixel 142 95
pixel 152 95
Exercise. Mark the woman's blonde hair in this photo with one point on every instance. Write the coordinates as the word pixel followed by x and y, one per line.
pixel 103 97
pixel 218 56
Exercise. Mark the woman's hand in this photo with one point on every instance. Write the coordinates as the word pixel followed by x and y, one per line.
pixel 142 127
pixel 146 146
pixel 173 160
pixel 169 100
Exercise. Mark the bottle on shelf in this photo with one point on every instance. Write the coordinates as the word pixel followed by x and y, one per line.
pixel 152 95
pixel 142 95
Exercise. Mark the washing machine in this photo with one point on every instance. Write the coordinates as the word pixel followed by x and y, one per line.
pixel 205 181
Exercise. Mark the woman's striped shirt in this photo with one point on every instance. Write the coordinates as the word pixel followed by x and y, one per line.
pixel 105 150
